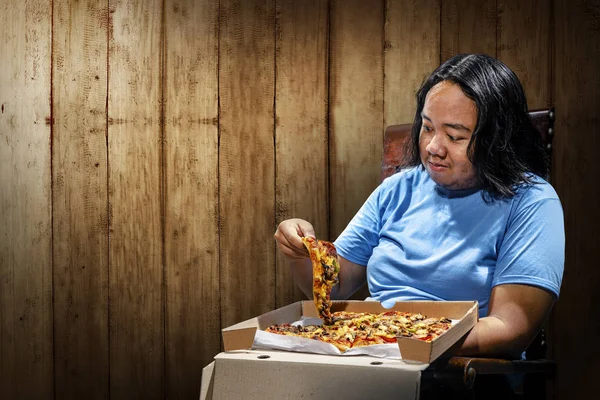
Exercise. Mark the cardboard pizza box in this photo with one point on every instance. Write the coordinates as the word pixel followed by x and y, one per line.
pixel 207 382
pixel 277 375
pixel 464 313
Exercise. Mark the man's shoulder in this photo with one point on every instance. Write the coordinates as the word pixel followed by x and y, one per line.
pixel 538 189
pixel 535 194
pixel 408 177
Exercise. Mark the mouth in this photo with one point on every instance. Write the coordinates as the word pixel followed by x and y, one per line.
pixel 437 167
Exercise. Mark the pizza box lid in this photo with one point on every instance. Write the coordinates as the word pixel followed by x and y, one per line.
pixel 465 313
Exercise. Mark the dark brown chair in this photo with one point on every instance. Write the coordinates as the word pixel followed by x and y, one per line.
pixel 474 377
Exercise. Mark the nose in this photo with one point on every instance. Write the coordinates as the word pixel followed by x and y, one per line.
pixel 436 147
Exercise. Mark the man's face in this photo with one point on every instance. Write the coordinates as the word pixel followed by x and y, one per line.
pixel 449 119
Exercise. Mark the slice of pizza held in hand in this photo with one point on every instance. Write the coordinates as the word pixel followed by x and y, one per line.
pixel 325 274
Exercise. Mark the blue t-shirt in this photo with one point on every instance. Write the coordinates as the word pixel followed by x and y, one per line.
pixel 420 241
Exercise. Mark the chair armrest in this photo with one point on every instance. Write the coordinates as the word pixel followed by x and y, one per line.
pixel 464 370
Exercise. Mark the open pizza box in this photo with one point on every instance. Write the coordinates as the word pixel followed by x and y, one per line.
pixel 463 313
pixel 243 372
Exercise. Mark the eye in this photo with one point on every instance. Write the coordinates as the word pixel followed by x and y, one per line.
pixel 453 138
pixel 426 128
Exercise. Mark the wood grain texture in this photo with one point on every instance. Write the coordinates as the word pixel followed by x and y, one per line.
pixel 468 26
pixel 26 365
pixel 191 193
pixel 246 158
pixel 575 177
pixel 412 52
pixel 80 202
pixel 524 45
pixel 524 38
pixel 356 106
pixel 165 176
pixel 301 138
pixel 134 153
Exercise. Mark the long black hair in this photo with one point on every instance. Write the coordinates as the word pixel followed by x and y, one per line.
pixel 505 147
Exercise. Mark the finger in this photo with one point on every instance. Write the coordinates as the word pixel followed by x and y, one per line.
pixel 283 242
pixel 291 252
pixel 305 231
pixel 289 242
pixel 293 234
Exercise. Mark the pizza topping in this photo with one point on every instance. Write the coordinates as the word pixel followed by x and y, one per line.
pixel 354 329
pixel 325 274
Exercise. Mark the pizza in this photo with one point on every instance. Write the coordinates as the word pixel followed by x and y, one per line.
pixel 326 269
pixel 355 329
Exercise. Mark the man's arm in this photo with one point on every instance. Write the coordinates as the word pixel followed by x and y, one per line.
pixel 516 314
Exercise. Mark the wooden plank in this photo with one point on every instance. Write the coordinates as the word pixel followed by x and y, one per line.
pixel 356 106
pixel 575 177
pixel 356 109
pixel 246 158
pixel 191 193
pixel 26 366
pixel 301 109
pixel 524 45
pixel 80 202
pixel 468 26
pixel 135 162
pixel 412 52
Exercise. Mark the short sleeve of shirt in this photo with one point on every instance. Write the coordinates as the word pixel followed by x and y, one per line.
pixel 532 250
pixel 362 235
pixel 357 241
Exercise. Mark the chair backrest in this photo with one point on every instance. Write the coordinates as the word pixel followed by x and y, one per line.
pixel 396 135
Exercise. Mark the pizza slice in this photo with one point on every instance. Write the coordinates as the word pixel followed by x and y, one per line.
pixel 325 274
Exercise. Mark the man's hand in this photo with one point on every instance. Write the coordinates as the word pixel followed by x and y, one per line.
pixel 288 237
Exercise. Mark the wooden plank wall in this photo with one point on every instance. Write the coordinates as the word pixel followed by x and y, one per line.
pixel 79 199
pixel 356 105
pixel 26 308
pixel 135 199
pixel 246 158
pixel 191 185
pixel 301 122
pixel 148 150
pixel 355 109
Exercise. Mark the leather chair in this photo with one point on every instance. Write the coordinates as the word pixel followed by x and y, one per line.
pixel 475 377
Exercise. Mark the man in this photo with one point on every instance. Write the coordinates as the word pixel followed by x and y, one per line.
pixel 470 218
